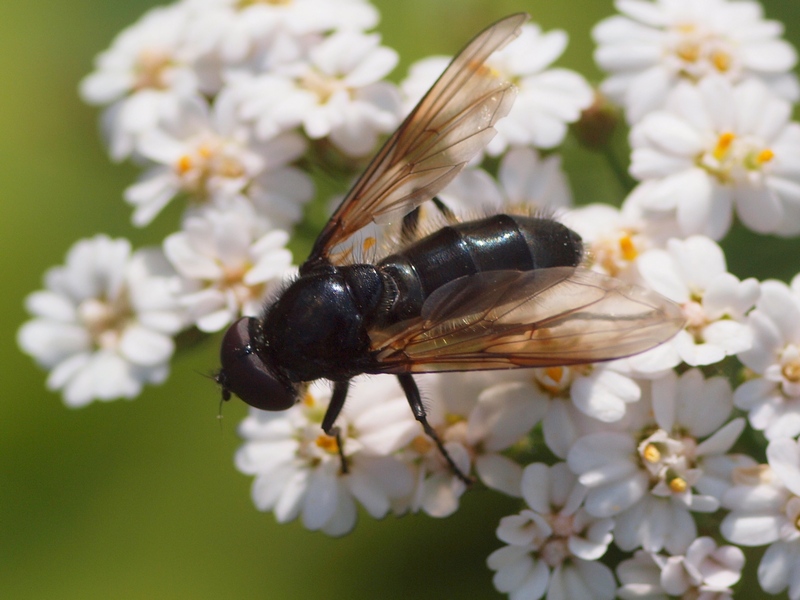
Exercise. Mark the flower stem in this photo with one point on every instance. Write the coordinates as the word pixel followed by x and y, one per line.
pixel 626 182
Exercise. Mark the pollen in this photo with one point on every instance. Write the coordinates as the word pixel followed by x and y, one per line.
pixel 484 70
pixel 232 169
pixel 721 61
pixel 791 371
pixel 765 156
pixel 628 248
pixel 368 244
pixel 205 150
pixel 651 454
pixel 689 51
pixel 421 444
pixel 723 145
pixel 555 373
pixel 678 485
pixel 327 443
pixel 184 164
pixel 309 400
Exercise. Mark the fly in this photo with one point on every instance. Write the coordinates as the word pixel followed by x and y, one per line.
pixel 501 292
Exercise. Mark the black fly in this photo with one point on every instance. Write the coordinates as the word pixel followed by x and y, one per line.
pixel 501 292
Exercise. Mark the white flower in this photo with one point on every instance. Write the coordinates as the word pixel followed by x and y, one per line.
pixel 704 571
pixel 334 91
pixel 548 99
pixel 716 146
pixel 640 577
pixel 248 34
pixel 765 509
pixel 658 44
pixel 228 265
pixel 653 475
pixel 693 273
pixel 571 401
pixel 421 77
pixel 211 156
pixel 600 391
pixel 104 324
pixel 554 544
pixel 298 470
pixel 144 75
pixel 527 183
pixel 773 399
pixel 613 241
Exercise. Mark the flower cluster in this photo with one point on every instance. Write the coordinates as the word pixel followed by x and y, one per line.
pixel 230 107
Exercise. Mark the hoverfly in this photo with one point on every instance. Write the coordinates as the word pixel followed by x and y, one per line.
pixel 502 292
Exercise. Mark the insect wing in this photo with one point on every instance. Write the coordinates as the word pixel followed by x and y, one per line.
pixel 546 317
pixel 448 127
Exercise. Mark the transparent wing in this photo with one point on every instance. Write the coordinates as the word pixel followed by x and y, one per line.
pixel 449 126
pixel 508 319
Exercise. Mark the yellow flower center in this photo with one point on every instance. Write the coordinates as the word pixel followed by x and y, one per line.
pixel 210 158
pixel 327 443
pixel 150 69
pixel 733 157
pixel 678 485
pixel 791 371
pixel 723 145
pixel 651 453
pixel 699 51
pixel 627 248
pixel 721 60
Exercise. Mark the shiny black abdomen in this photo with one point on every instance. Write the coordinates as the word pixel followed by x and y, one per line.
pixel 500 242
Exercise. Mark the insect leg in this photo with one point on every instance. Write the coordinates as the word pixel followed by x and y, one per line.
pixel 338 397
pixel 408 232
pixel 415 401
pixel 448 214
pixel 410 226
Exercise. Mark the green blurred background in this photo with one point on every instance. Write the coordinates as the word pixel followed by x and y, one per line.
pixel 141 499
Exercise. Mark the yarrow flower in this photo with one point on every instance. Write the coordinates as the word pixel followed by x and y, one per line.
pixel 548 99
pixel 651 476
pixel 249 34
pixel 554 544
pixel 104 324
pixel 334 91
pixel 765 509
pixel 692 272
pixel 715 147
pixel 212 157
pixel 771 396
pixel 229 264
pixel 143 77
pixel 705 571
pixel 655 45
pixel 297 467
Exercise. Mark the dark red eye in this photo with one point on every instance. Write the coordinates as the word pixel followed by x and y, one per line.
pixel 245 373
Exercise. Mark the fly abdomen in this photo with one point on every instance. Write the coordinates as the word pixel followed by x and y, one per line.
pixel 500 242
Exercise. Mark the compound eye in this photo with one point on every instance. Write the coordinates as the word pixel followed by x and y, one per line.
pixel 247 375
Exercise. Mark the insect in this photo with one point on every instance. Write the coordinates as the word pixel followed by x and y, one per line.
pixel 501 292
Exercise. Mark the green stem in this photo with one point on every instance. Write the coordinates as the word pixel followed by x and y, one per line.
pixel 626 182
